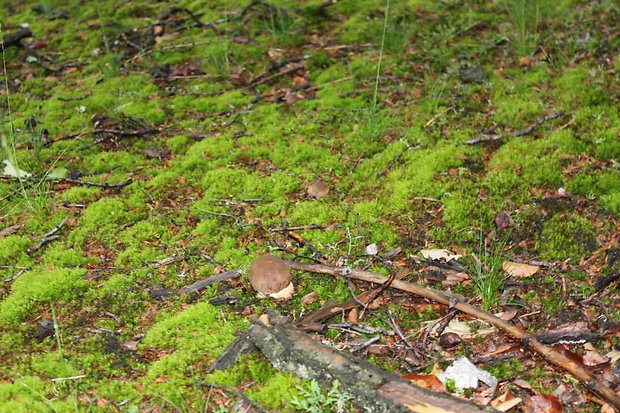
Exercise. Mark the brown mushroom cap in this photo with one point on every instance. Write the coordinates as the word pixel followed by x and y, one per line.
pixel 269 275
pixel 318 189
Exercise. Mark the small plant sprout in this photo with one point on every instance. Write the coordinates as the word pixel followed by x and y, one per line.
pixel 314 400
pixel 487 274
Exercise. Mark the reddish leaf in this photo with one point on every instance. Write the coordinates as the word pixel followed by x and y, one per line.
pixel 542 403
pixel 428 381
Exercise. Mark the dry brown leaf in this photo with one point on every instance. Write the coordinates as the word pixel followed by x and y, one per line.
pixel 427 381
pixel 439 254
pixel 505 402
pixel 309 298
pixel 519 270
pixel 542 403
pixel 354 316
pixel 523 384
pixel 507 315
pixel 455 278
pixel 463 329
pixel 593 357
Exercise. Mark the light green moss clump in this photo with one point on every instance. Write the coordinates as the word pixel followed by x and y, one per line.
pixel 14 250
pixel 566 236
pixel 37 287
pixel 101 220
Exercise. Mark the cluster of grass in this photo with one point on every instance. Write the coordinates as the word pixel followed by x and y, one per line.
pixel 383 123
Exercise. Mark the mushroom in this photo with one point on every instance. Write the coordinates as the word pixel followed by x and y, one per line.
pixel 318 189
pixel 270 276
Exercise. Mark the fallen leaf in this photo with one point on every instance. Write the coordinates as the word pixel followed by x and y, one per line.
pixel 523 384
pixel 10 230
pixel 354 316
pixel 519 270
pixel 507 315
pixel 505 402
pixel 542 403
pixel 310 298
pixel 11 170
pixel 427 381
pixel 463 329
pixel 502 220
pixel 439 254
pixel 592 357
pixel 454 278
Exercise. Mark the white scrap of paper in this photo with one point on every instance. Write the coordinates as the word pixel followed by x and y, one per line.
pixel 466 375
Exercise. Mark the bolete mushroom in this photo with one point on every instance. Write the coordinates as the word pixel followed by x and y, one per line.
pixel 270 276
pixel 318 189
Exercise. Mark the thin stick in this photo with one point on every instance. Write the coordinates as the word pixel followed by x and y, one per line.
pixel 516 134
pixel 453 301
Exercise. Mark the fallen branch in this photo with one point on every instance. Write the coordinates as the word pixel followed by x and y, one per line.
pixel 48 237
pixel 516 134
pixel 202 284
pixel 14 39
pixel 80 182
pixel 453 301
pixel 373 389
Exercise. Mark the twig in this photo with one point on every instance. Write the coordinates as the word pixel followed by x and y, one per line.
pixel 202 284
pixel 297 228
pixel 49 237
pixel 35 180
pixel 516 134
pixel 366 344
pixel 527 340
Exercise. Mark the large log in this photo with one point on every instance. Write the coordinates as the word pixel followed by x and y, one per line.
pixel 375 390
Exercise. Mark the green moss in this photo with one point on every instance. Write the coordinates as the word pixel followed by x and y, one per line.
pixel 277 391
pixel 80 194
pixel 378 159
pixel 195 332
pixel 566 236
pixel 58 255
pixel 101 220
pixel 14 250
pixel 37 287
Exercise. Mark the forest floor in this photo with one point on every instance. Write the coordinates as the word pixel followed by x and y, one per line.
pixel 149 145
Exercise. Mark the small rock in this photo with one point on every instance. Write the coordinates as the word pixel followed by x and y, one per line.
pixel 45 328
pixel 472 74
pixel 372 249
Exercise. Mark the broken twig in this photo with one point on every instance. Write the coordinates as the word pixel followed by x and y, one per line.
pixel 516 134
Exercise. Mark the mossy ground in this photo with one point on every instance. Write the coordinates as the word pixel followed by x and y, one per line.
pixel 234 157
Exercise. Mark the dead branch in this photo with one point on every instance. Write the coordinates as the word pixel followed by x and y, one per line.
pixel 374 389
pixel 37 179
pixel 297 228
pixel 14 39
pixel 48 237
pixel 202 284
pixel 453 301
pixel 516 134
